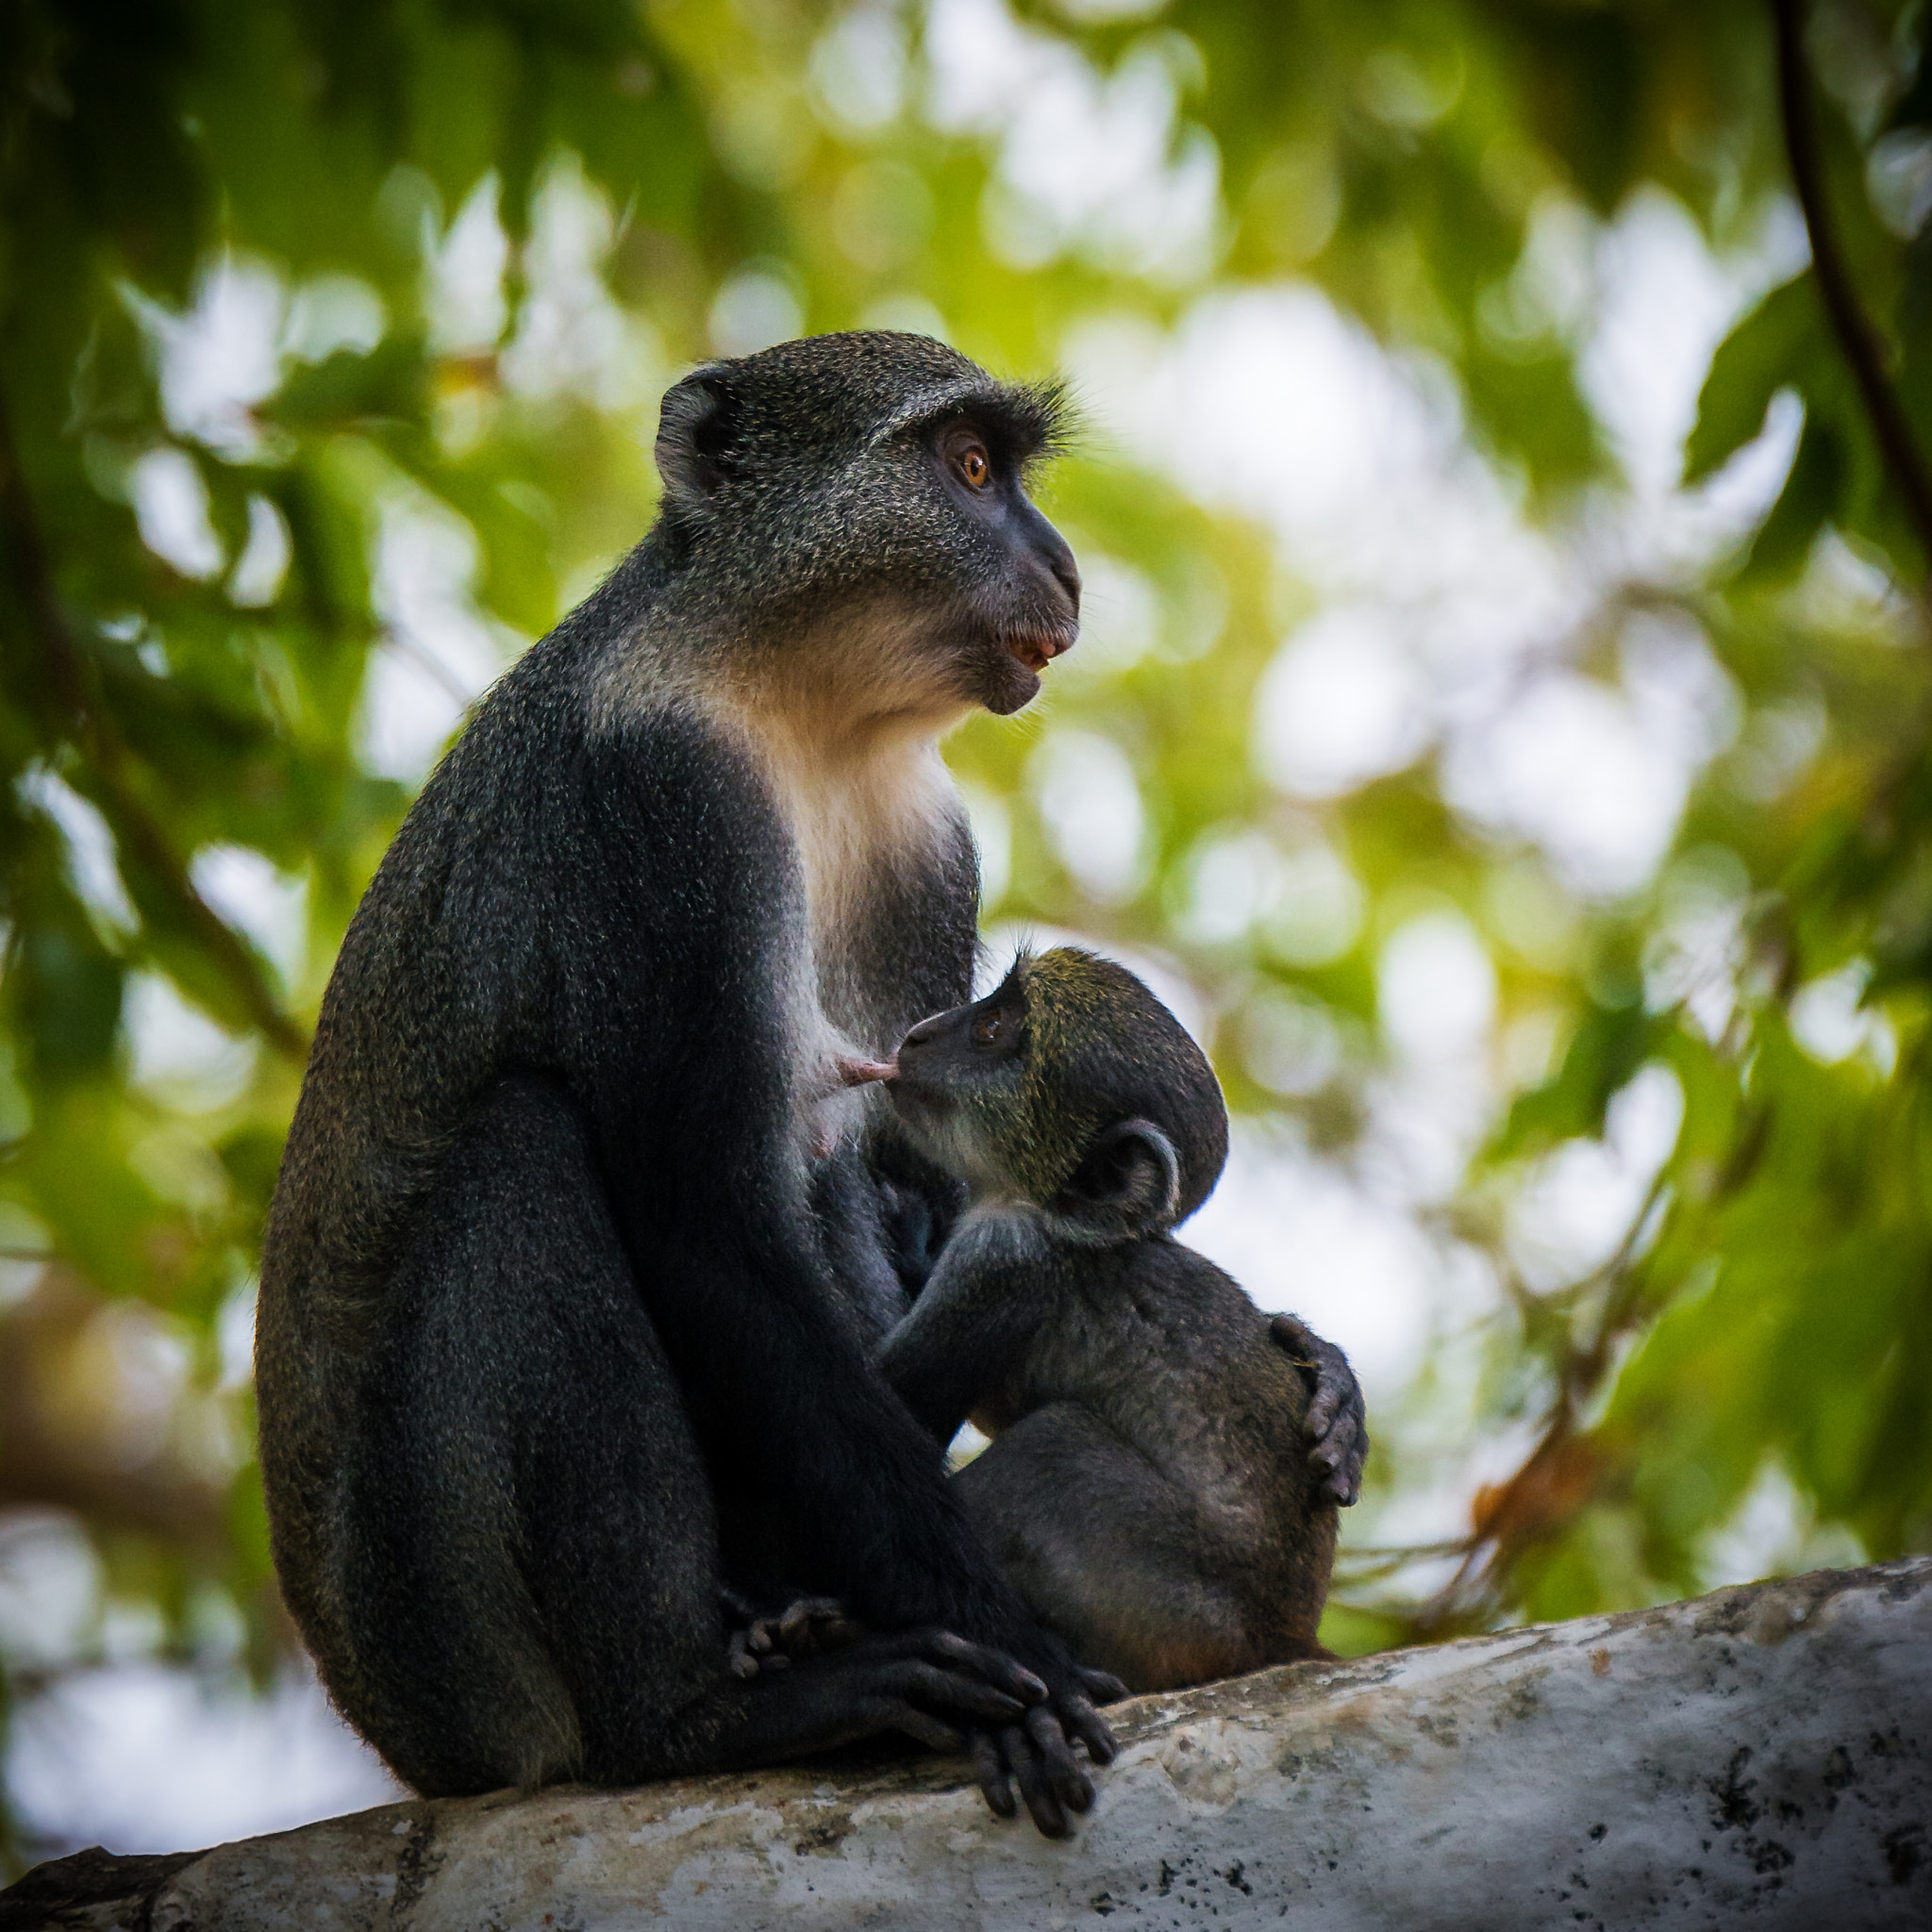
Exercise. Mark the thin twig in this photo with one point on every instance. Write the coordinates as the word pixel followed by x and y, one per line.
pixel 1486 1552
pixel 1859 341
pixel 431 666
pixel 70 675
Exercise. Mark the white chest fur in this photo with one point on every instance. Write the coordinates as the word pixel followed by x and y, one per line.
pixel 854 817
pixel 859 808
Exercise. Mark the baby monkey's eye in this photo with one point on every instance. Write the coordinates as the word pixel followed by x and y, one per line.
pixel 987 1029
pixel 974 466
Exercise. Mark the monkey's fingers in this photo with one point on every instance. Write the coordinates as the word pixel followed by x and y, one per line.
pixel 1064 1771
pixel 1103 1686
pixel 1036 1790
pixel 1323 1409
pixel 835 1632
pixel 952 1690
pixel 740 1661
pixel 1079 1720
pixel 1337 1422
pixel 993 1666
pixel 805 1626
pixel 989 1769
pixel 1342 1453
pixel 1306 1349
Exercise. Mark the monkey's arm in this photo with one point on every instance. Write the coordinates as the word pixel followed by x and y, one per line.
pixel 919 1204
pixel 978 1311
pixel 1338 1417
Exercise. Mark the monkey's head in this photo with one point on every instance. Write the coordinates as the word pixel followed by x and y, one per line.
pixel 854 509
pixel 1072 1087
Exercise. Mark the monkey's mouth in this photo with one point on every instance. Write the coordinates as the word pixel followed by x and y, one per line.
pixel 1037 649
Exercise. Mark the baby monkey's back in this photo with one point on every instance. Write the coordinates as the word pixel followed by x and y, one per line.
pixel 1149 1490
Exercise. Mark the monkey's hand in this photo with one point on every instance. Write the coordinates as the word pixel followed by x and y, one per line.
pixel 808 1628
pixel 1036 1752
pixel 1337 1418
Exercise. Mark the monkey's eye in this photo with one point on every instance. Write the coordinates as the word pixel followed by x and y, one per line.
pixel 974 466
pixel 987 1029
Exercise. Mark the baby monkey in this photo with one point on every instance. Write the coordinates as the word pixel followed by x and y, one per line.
pixel 1147 1489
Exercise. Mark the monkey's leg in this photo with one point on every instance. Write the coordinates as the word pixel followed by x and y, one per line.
pixel 1120 1559
pixel 532 1585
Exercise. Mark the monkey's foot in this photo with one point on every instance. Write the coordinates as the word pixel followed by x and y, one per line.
pixel 807 1627
pixel 1103 1686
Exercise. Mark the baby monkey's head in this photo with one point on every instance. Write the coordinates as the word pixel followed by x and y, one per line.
pixel 1072 1087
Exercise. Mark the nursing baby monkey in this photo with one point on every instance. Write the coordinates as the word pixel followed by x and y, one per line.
pixel 1147 1489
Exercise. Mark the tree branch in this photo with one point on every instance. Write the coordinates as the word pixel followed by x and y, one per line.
pixel 1859 341
pixel 1750 1757
pixel 75 690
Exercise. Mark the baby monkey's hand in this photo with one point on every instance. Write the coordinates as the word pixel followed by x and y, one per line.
pixel 1338 1417
pixel 806 1628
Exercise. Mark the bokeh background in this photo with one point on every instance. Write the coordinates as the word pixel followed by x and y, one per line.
pixel 1500 728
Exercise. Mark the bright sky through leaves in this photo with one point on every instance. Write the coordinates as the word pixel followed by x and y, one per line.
pixel 1500 729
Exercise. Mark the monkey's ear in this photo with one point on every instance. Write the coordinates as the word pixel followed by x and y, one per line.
pixel 1128 1184
pixel 698 426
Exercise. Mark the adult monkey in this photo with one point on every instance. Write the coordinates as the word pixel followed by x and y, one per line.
pixel 575 1258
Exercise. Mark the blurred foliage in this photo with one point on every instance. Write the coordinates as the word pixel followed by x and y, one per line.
pixel 331 340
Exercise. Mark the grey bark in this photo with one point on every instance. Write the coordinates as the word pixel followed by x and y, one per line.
pixel 1761 1757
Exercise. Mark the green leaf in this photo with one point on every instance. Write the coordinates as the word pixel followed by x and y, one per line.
pixel 1814 494
pixel 1781 343
pixel 1605 1051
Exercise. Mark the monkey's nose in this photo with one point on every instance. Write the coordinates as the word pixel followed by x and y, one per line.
pixel 1066 573
pixel 921 1036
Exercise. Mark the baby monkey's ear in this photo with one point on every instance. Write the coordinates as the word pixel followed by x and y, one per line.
pixel 1128 1184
